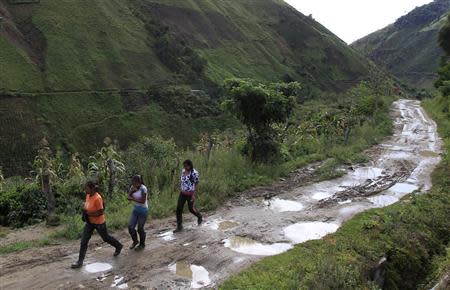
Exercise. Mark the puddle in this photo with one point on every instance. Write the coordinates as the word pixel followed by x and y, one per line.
pixel 383 200
pixel 250 247
pixel 167 236
pixel 182 269
pixel 302 232
pixel 198 275
pixel 282 205
pixel 221 225
pixel 119 283
pixel 97 267
pixel 403 188
pixel 322 195
pixel 349 211
pixel 226 225
pixel 365 173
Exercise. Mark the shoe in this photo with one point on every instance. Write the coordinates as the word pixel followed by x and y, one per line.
pixel 77 265
pixel 140 248
pixel 200 220
pixel 133 245
pixel 178 230
pixel 118 250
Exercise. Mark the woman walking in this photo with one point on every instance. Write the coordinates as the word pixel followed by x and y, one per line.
pixel 138 194
pixel 94 217
pixel 189 181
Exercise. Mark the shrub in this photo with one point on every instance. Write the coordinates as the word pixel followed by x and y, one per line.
pixel 21 206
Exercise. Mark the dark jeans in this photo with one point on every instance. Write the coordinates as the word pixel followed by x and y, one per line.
pixel 87 234
pixel 139 219
pixel 182 199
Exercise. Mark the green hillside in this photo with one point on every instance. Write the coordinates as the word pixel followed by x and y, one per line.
pixel 409 47
pixel 82 70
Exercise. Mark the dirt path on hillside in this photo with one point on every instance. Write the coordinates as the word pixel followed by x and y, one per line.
pixel 263 222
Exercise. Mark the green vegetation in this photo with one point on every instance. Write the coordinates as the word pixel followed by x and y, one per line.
pixel 444 36
pixel 76 72
pixel 259 108
pixel 413 235
pixel 408 48
pixel 215 155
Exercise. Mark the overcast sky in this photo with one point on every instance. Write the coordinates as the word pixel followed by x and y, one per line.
pixel 353 19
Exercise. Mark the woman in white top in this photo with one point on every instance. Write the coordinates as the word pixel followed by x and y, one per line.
pixel 189 180
pixel 138 194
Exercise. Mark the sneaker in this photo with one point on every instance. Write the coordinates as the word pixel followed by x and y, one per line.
pixel 200 220
pixel 140 248
pixel 133 245
pixel 118 250
pixel 77 265
pixel 178 229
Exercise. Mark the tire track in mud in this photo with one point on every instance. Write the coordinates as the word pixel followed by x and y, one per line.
pixel 264 221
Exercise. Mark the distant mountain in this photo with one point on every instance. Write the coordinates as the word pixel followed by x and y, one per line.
pixel 409 48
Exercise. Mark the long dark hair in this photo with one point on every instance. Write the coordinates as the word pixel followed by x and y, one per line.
pixel 138 178
pixel 189 163
pixel 92 185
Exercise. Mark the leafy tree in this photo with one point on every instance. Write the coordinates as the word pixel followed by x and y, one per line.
pixel 259 107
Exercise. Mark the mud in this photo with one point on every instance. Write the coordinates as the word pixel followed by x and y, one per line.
pixel 251 228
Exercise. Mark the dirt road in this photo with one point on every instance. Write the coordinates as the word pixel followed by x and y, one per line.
pixel 246 229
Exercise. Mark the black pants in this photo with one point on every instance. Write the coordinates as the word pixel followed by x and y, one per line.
pixel 182 199
pixel 87 234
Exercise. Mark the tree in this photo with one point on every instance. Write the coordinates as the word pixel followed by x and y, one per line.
pixel 259 107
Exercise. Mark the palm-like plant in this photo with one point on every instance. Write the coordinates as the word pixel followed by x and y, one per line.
pixel 106 165
pixel 45 172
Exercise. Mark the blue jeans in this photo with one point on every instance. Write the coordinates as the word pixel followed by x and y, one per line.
pixel 138 217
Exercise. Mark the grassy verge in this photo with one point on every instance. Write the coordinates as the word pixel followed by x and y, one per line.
pixel 413 235
pixel 20 246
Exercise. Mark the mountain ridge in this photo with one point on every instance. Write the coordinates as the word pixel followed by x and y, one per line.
pixel 408 48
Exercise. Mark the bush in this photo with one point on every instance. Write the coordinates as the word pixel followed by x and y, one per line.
pixel 22 206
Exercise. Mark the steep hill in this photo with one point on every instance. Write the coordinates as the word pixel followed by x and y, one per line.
pixel 409 47
pixel 80 45
pixel 81 70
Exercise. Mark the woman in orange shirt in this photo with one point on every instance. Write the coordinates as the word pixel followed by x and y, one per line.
pixel 94 217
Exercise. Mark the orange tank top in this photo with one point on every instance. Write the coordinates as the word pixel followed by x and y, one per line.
pixel 92 205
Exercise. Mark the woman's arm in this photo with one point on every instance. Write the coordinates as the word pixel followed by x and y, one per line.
pixel 141 200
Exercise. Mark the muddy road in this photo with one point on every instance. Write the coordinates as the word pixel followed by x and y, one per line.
pixel 262 222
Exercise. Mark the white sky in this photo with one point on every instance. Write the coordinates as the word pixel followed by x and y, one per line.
pixel 353 19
